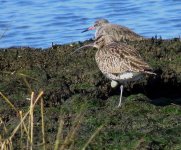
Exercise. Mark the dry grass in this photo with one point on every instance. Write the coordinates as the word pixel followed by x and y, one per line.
pixel 25 127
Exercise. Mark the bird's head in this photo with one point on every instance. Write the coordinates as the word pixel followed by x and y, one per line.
pixel 98 23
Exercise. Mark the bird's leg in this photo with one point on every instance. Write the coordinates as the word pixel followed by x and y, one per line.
pixel 121 93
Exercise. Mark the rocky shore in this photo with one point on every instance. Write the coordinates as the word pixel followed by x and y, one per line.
pixel 150 116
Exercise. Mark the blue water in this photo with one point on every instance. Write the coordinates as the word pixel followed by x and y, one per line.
pixel 38 23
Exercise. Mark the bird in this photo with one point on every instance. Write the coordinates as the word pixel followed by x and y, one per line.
pixel 117 32
pixel 119 62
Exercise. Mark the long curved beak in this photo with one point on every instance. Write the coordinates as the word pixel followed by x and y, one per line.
pixel 85 46
pixel 90 28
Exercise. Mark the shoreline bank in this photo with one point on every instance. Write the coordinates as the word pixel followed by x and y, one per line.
pixel 151 108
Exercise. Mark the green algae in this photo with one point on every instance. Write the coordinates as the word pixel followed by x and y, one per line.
pixel 149 117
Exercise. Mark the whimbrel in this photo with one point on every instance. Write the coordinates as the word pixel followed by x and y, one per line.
pixel 119 62
pixel 117 32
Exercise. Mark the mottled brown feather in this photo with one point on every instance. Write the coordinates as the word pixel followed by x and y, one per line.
pixel 117 32
pixel 117 58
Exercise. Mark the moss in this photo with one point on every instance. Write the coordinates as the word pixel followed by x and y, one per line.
pixel 149 117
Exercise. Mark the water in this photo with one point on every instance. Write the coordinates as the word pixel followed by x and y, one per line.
pixel 38 23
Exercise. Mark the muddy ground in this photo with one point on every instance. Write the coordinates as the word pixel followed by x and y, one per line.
pixel 150 116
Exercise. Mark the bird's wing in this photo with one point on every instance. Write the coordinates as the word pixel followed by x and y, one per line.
pixel 118 58
pixel 118 30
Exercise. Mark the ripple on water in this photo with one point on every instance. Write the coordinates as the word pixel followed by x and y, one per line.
pixel 38 23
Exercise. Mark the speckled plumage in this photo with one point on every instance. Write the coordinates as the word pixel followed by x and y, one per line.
pixel 115 59
pixel 116 32
pixel 119 62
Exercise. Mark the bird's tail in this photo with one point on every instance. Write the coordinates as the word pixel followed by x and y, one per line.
pixel 149 71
